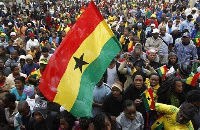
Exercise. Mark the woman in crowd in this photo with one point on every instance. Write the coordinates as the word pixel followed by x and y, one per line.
pixel 18 90
pixel 15 73
pixel 171 92
pixel 5 85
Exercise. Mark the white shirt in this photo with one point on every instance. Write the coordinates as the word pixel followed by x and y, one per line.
pixel 112 76
pixel 31 43
pixel 10 76
pixel 169 40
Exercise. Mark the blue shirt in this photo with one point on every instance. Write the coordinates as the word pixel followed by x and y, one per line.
pixel 185 52
pixel 99 94
pixel 186 25
pixel 29 67
pixel 18 97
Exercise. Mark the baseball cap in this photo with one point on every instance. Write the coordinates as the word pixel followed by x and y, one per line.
pixel 186 34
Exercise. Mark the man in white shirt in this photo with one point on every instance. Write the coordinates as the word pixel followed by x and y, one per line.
pixel 31 42
pixel 167 45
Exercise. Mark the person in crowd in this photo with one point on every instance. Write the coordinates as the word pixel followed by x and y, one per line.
pixel 18 49
pixel 166 46
pixel 154 82
pixel 102 121
pixel 67 121
pixel 29 66
pixel 13 60
pixel 112 74
pixel 140 33
pixel 100 91
pixel 6 70
pixel 124 39
pixel 187 24
pixel 130 118
pixel 43 119
pixel 171 92
pixel 152 59
pixel 134 91
pixel 18 90
pixel 31 42
pixel 185 47
pixel 15 72
pixel 5 85
pixel 195 36
pixel 175 118
pixel 193 97
pixel 154 41
pixel 45 54
pixel 173 61
pixel 113 102
pixel 21 119
pixel 3 55
pixel 10 107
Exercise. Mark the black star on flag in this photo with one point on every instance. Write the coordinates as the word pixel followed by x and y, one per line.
pixel 79 62
pixel 148 98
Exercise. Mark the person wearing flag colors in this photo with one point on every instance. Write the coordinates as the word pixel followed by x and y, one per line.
pixel 27 69
pixel 175 118
pixel 154 83
pixel 35 75
pixel 171 92
pixel 129 119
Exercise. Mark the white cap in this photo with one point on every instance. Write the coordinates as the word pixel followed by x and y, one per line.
pixel 22 57
pixel 155 30
pixel 28 23
pixel 153 25
pixel 9 23
pixel 13 34
pixel 29 57
pixel 194 8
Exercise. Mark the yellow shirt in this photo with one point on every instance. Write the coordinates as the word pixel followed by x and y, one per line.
pixel 170 117
pixel 32 53
pixel 138 33
pixel 111 19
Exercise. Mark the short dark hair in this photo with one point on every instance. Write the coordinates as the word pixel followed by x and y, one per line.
pixel 10 97
pixel 139 73
pixel 99 121
pixel 21 78
pixel 128 103
pixel 193 96
pixel 68 117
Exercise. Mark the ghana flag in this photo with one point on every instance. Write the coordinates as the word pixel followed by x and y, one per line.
pixel 162 72
pixel 79 63
pixel 192 79
pixel 148 99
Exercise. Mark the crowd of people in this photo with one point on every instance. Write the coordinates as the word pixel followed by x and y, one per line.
pixel 160 44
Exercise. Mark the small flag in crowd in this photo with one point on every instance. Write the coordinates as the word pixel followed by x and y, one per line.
pixel 162 72
pixel 158 124
pixel 192 79
pixel 47 30
pixel 197 42
pixel 54 44
pixel 77 65
pixel 15 29
pixel 42 44
pixel 33 74
pixel 135 20
pixel 58 28
pixel 148 99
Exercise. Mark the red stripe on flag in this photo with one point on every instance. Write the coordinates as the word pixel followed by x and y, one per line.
pixel 194 79
pixel 165 71
pixel 152 105
pixel 77 34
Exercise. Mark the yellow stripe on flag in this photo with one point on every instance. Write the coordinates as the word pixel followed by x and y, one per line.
pixel 66 95
pixel 189 80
